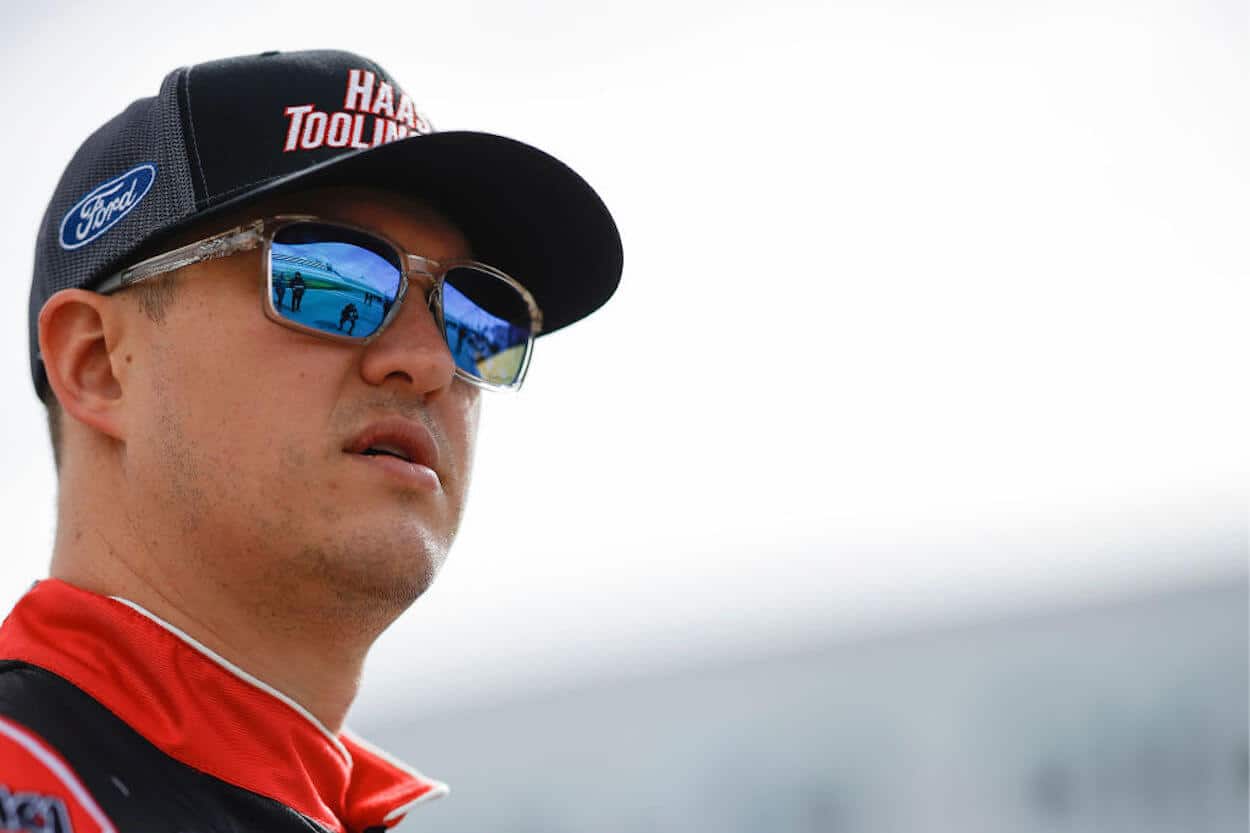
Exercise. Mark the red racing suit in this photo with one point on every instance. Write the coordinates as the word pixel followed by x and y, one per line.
pixel 112 720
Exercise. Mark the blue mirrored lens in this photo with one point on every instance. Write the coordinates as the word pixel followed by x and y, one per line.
pixel 488 325
pixel 332 279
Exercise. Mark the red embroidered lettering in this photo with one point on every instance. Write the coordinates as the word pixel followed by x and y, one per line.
pixel 358 127
pixel 297 118
pixel 314 131
pixel 359 90
pixel 339 131
pixel 395 130
pixel 384 104
pixel 407 113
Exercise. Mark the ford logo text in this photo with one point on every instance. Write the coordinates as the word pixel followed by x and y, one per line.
pixel 105 206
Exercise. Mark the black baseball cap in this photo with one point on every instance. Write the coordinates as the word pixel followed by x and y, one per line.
pixel 221 134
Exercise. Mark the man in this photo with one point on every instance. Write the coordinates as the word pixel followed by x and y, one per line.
pixel 297 291
pixel 279 288
pixel 189 662
pixel 349 315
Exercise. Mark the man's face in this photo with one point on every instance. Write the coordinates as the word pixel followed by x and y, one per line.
pixel 239 431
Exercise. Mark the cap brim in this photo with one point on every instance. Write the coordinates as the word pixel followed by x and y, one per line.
pixel 523 210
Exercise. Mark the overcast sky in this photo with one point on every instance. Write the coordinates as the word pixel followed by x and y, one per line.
pixel 928 309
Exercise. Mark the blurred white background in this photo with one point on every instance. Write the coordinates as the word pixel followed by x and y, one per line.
pixel 930 311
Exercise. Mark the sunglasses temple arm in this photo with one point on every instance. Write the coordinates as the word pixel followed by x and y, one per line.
pixel 239 239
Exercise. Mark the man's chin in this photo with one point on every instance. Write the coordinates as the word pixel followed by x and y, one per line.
pixel 385 578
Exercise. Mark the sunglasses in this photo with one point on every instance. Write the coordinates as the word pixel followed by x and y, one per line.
pixel 348 284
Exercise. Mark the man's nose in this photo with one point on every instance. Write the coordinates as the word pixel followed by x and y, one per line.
pixel 411 349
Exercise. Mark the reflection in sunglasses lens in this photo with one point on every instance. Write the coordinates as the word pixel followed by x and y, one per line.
pixel 487 324
pixel 332 279
pixel 344 282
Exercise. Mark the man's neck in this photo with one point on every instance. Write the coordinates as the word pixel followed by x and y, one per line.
pixel 313 661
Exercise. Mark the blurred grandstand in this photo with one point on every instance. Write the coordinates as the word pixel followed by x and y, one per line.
pixel 1124 717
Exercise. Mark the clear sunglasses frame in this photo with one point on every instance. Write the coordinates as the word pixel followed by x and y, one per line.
pixel 260 234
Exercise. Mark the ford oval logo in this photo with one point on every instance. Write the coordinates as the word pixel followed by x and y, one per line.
pixel 104 207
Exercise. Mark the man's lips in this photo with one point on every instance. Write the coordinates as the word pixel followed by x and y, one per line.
pixel 399 445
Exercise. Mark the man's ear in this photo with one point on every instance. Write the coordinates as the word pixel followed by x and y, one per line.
pixel 78 330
